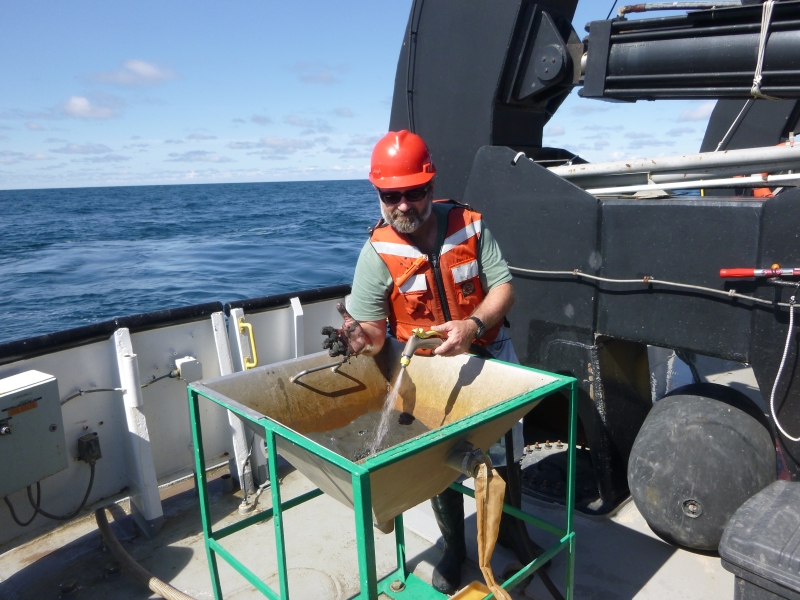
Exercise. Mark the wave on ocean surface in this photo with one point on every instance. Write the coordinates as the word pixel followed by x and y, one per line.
pixel 72 257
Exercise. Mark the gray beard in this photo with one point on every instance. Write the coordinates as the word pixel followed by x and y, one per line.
pixel 408 222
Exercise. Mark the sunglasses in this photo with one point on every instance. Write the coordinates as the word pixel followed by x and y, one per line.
pixel 413 195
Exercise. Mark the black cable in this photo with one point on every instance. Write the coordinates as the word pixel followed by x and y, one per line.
pixel 91 391
pixel 612 10
pixel 14 514
pixel 174 373
pixel 44 513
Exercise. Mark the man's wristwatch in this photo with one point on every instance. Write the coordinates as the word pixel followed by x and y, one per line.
pixel 481 326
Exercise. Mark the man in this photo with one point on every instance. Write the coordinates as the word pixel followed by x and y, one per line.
pixel 431 264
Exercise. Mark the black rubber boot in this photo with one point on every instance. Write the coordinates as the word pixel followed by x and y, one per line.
pixel 448 507
pixel 513 534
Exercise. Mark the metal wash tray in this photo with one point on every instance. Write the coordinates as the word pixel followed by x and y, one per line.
pixel 461 398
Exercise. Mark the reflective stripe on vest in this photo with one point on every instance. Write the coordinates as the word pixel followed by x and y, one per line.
pixel 414 299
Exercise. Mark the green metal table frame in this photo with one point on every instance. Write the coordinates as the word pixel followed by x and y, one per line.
pixel 399 584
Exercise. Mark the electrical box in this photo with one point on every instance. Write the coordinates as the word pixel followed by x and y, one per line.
pixel 32 442
pixel 190 368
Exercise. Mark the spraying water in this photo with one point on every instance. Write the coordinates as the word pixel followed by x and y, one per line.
pixel 386 413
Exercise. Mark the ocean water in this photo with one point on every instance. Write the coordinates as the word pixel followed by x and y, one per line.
pixel 72 257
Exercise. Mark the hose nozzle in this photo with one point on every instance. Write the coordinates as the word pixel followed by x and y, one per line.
pixel 418 340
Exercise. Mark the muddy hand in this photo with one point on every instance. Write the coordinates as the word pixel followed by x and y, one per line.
pixel 346 341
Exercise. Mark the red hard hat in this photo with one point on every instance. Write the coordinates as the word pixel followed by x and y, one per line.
pixel 401 159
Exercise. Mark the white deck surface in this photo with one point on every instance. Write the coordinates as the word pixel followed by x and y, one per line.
pixel 618 557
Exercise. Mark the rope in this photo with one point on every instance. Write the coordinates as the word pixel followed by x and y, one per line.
pixel 646 280
pixel 735 125
pixel 790 333
pixel 766 19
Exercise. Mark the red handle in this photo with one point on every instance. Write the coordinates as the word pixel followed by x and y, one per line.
pixel 737 273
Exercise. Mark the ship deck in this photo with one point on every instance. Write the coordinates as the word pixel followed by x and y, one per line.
pixel 618 557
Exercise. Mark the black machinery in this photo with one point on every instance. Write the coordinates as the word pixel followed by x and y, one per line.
pixel 601 274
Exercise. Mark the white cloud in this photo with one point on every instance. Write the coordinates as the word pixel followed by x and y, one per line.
pixel 173 141
pixel 274 148
pixel 298 121
pixel 9 157
pixel 679 131
pixel 588 109
pixel 596 127
pixel 555 130
pixel 283 145
pixel 343 112
pixel 200 137
pixel 82 108
pixel 3 137
pixel 638 144
pixel 85 149
pixel 258 120
pixel 638 135
pixel 364 140
pixel 319 73
pixel 242 145
pixel 311 126
pixel 198 156
pixel 348 152
pixel 135 72
pixel 108 158
pixel 698 113
pixel 33 126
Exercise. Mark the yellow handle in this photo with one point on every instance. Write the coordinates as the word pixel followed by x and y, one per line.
pixel 248 362
pixel 421 333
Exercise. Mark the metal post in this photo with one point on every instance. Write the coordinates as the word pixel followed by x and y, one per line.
pixel 145 501
pixel 365 538
pixel 573 435
pixel 277 517
pixel 202 491
pixel 241 465
pixel 299 335
pixel 400 543
pixel 757 159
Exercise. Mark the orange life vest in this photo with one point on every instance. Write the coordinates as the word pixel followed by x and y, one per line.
pixel 429 289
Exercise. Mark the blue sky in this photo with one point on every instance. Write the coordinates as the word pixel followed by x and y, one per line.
pixel 132 93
